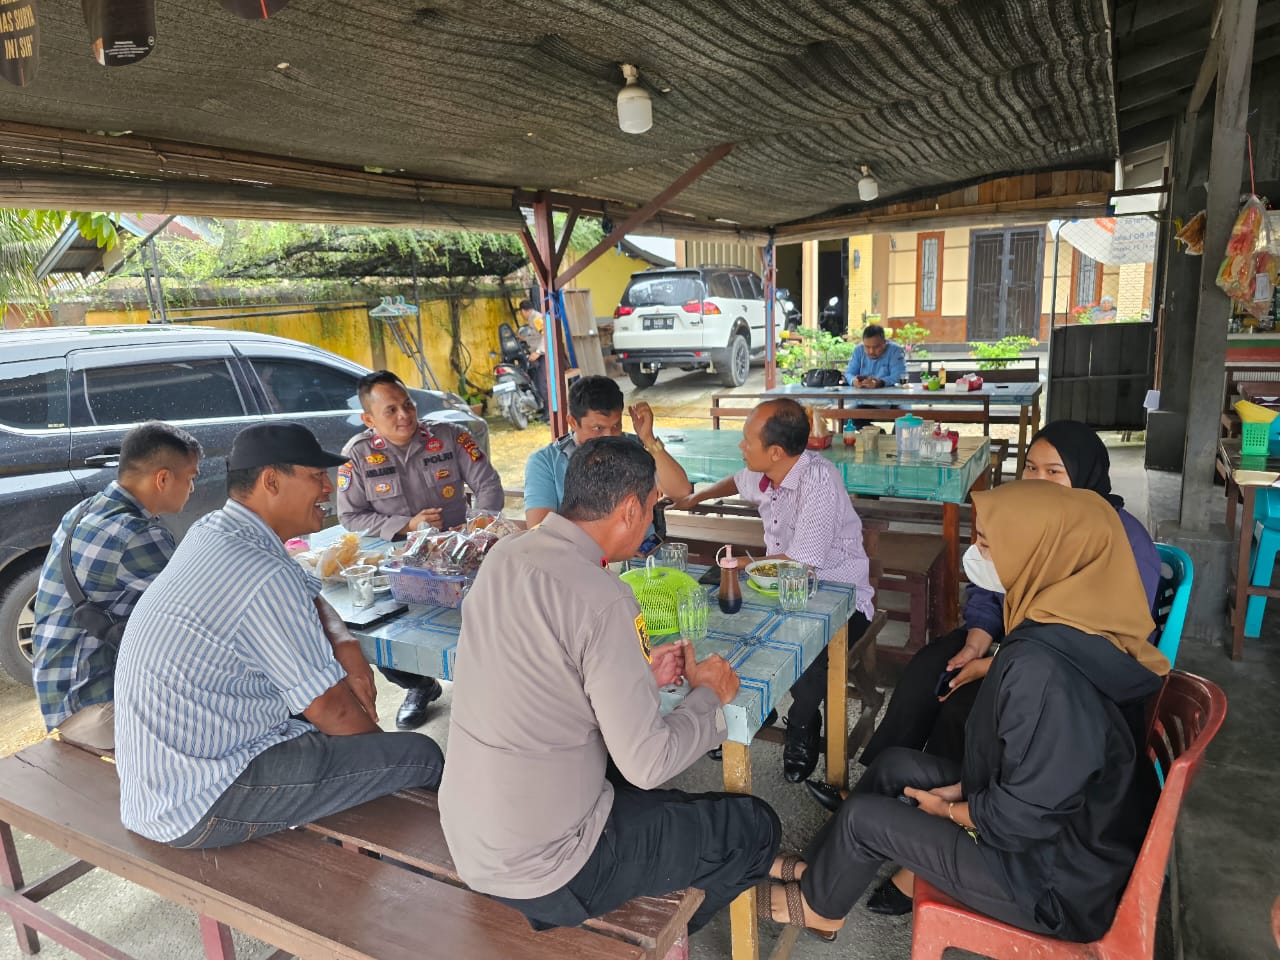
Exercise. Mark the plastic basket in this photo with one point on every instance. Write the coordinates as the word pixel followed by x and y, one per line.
pixel 658 591
pixel 417 585
pixel 1255 438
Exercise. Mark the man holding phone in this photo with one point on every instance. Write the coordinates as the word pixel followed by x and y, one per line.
pixel 595 410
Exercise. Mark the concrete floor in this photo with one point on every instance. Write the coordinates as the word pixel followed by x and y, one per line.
pixel 1226 873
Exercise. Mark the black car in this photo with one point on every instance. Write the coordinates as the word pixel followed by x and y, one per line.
pixel 68 395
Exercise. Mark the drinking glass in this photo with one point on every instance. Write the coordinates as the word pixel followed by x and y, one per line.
pixel 692 616
pixel 360 585
pixel 674 555
pixel 796 584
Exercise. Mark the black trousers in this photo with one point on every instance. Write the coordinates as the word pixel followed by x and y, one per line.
pixel 874 827
pixel 915 718
pixel 810 691
pixel 657 841
pixel 406 681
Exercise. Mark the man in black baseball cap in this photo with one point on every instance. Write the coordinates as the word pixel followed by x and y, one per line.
pixel 279 443
pixel 273 692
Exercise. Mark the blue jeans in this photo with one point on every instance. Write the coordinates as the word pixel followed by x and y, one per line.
pixel 313 776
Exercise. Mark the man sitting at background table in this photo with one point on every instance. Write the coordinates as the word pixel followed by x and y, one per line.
pixel 876 362
pixel 226 647
pixel 551 684
pixel 808 518
pixel 405 472
pixel 595 410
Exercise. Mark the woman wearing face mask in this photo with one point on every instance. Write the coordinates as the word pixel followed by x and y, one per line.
pixel 1040 824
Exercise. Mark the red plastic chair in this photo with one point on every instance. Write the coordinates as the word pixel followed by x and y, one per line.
pixel 1189 714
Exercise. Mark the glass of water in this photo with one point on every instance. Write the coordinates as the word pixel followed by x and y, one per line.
pixel 674 555
pixel 360 585
pixel 692 616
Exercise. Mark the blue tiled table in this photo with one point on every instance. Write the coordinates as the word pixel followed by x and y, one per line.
pixel 769 650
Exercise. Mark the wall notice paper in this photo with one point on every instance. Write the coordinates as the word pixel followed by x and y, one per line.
pixel 121 32
pixel 20 34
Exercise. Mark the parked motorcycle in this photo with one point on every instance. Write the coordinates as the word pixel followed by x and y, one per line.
pixel 832 319
pixel 513 387
pixel 787 314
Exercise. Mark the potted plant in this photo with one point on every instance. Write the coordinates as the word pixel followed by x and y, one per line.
pixel 998 355
pixel 476 402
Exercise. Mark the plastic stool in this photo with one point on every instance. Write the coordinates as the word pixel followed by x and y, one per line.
pixel 1262 556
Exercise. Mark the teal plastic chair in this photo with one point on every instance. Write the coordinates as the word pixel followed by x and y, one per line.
pixel 1173 595
pixel 1262 555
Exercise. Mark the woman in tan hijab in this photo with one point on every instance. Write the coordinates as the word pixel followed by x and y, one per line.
pixel 1041 824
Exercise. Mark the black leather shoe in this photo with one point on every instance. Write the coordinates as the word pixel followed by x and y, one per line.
pixel 828 797
pixel 800 752
pixel 889 901
pixel 413 712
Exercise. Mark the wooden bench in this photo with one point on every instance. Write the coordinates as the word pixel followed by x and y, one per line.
pixel 295 890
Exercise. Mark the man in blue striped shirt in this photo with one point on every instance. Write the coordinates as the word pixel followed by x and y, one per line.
pixel 231 643
pixel 116 546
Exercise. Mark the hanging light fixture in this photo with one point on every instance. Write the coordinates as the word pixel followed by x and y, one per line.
pixel 635 108
pixel 868 187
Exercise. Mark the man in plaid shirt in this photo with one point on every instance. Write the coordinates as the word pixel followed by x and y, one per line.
pixel 117 548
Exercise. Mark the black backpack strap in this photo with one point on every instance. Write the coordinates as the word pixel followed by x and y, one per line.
pixel 69 580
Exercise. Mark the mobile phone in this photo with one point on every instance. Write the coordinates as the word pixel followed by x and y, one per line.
pixel 711 578
pixel 944 682
pixel 651 543
pixel 909 801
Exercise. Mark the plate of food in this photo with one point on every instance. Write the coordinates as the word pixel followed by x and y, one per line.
pixel 764 575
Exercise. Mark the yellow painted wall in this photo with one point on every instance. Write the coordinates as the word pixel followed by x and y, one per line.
pixel 351 334
pixel 902 275
pixel 860 280
pixel 607 278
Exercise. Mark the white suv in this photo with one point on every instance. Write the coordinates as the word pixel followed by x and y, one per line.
pixel 702 318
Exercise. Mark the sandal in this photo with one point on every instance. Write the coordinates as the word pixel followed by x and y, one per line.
pixel 787 872
pixel 795 908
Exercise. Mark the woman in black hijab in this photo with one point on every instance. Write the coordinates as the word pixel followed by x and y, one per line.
pixel 928 713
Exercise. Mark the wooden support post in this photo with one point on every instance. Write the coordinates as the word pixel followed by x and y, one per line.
pixel 744 925
pixel 1226 164
pixel 838 708
pixel 11 877
pixel 809 308
pixel 216 938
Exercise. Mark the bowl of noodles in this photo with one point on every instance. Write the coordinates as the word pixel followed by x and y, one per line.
pixel 764 574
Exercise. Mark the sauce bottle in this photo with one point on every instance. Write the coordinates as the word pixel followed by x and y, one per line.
pixel 942 374
pixel 730 588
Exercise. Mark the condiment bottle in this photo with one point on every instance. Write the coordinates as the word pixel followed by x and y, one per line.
pixel 942 374
pixel 730 589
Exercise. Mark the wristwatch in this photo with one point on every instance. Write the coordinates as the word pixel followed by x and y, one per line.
pixel 655 446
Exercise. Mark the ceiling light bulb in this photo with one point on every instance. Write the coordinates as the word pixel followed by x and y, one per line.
pixel 635 109
pixel 868 188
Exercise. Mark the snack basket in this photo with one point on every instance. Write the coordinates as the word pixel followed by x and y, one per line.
pixel 419 585
pixel 658 591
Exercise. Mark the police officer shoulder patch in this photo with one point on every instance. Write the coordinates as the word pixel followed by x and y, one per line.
pixel 642 634
pixel 344 476
pixel 473 449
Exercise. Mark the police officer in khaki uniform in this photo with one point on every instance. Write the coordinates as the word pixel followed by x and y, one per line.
pixel 404 473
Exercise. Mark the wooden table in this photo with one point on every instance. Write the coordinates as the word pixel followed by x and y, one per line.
pixel 767 648
pixel 711 455
pixel 995 400
pixel 1244 477
pixel 1265 393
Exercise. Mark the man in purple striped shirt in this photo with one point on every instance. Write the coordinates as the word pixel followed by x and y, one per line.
pixel 808 517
